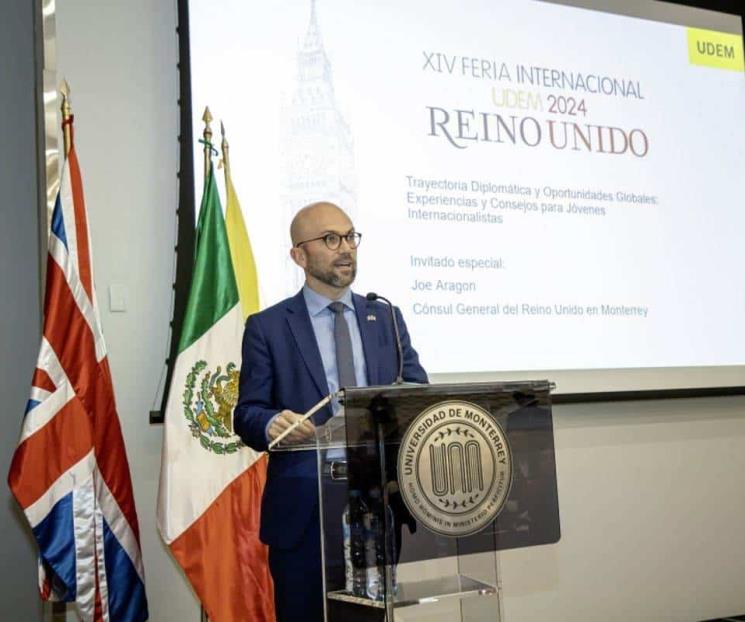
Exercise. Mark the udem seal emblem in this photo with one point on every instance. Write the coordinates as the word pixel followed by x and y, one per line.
pixel 454 468
pixel 208 408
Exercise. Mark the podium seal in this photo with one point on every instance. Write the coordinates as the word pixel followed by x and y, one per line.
pixel 454 468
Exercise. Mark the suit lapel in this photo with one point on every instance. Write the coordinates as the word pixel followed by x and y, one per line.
pixel 368 322
pixel 302 331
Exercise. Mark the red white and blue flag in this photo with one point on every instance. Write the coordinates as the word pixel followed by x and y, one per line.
pixel 69 472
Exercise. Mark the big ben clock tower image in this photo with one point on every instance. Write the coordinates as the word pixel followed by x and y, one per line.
pixel 316 150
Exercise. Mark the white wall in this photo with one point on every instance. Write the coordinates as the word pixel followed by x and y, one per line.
pixel 652 507
pixel 651 494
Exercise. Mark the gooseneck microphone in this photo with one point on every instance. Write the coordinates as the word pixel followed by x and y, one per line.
pixel 399 350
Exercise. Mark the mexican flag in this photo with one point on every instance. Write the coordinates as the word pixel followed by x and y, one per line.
pixel 210 482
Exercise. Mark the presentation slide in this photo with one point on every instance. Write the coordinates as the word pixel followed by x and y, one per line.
pixel 538 186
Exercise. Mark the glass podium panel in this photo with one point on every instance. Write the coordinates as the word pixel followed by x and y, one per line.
pixel 420 487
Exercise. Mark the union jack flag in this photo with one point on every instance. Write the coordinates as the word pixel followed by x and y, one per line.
pixel 69 472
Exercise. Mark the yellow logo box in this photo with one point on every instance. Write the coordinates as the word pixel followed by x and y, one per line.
pixel 710 48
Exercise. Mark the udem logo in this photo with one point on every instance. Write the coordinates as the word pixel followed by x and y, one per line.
pixel 720 50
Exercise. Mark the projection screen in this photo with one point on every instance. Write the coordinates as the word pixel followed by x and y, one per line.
pixel 546 190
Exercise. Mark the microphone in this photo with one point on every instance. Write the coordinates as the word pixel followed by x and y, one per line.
pixel 399 350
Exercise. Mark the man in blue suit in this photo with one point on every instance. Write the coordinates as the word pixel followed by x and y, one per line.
pixel 292 358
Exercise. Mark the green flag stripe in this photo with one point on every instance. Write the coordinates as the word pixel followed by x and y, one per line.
pixel 213 289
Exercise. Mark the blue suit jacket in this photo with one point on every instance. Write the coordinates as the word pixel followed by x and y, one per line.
pixel 281 369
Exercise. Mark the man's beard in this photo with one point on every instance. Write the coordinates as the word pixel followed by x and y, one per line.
pixel 332 278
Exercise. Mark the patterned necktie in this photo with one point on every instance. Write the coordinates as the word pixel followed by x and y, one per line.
pixel 343 342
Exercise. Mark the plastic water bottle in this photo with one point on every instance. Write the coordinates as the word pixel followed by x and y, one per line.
pixel 373 549
pixel 353 528
pixel 348 569
pixel 376 542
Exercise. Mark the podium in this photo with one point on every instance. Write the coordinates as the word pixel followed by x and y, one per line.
pixel 420 487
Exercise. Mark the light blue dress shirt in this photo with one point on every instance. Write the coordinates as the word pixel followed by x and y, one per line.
pixel 322 320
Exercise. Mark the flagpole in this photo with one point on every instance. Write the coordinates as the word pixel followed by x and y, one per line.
pixel 59 609
pixel 64 91
pixel 225 148
pixel 207 136
pixel 207 139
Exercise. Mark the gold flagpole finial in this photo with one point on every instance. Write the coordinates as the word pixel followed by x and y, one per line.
pixel 64 90
pixel 207 136
pixel 225 147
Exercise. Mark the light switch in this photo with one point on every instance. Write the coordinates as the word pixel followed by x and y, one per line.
pixel 117 298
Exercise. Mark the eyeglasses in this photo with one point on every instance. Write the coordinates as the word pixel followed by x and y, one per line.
pixel 333 240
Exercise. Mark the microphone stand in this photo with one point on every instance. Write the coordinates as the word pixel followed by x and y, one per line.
pixel 399 349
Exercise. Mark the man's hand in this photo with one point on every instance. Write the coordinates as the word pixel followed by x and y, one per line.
pixel 304 432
